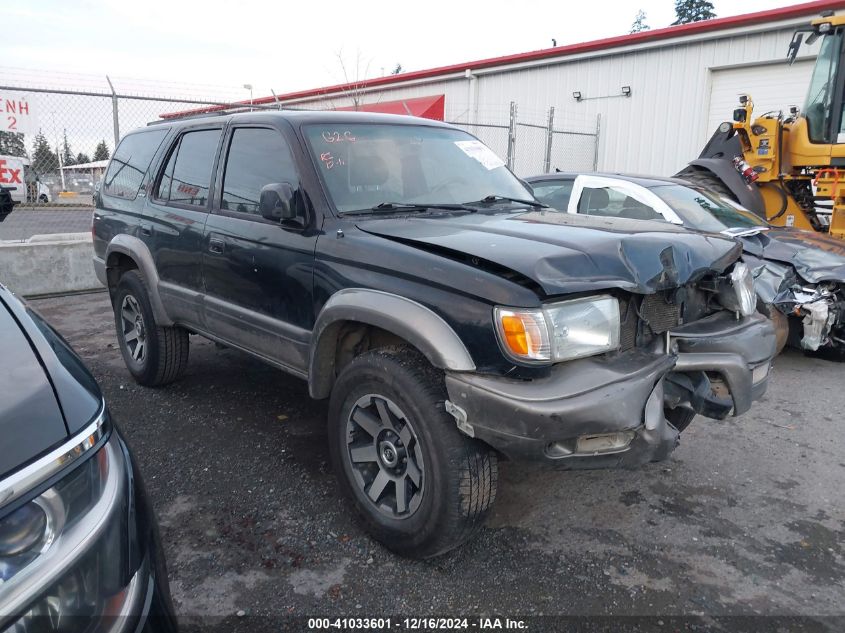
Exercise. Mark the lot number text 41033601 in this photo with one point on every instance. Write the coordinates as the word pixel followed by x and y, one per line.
pixel 417 624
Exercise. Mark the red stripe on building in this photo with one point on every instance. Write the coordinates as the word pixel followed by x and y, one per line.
pixel 426 107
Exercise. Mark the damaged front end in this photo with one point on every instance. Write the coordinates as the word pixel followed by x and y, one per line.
pixel 697 348
pixel 723 348
pixel 820 309
pixel 815 311
pixel 800 282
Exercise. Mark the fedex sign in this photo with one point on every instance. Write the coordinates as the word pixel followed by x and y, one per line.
pixel 11 172
pixel 16 114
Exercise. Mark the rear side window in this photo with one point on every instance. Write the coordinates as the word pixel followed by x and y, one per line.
pixel 554 193
pixel 187 176
pixel 125 175
pixel 257 157
pixel 615 203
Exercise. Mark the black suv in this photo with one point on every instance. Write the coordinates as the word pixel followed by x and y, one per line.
pixel 401 269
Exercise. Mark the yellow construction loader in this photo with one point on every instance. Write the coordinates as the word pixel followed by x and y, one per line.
pixel 788 167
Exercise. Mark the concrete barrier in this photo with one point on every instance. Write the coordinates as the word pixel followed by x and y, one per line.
pixel 48 264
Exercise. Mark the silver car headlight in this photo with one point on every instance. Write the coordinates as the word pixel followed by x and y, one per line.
pixel 64 554
pixel 559 331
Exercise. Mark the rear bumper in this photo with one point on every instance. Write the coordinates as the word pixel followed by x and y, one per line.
pixel 716 368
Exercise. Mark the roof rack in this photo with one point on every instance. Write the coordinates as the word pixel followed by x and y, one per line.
pixel 227 109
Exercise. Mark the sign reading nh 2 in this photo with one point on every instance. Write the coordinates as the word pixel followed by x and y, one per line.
pixel 16 114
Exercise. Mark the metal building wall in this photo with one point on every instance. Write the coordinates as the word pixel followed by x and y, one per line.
pixel 656 130
pixel 664 122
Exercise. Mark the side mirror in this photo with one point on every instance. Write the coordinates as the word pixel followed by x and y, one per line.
pixel 794 45
pixel 276 202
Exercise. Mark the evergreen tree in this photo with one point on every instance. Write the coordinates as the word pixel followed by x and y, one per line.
pixel 82 158
pixel 688 11
pixel 67 154
pixel 11 144
pixel 102 151
pixel 44 159
pixel 639 23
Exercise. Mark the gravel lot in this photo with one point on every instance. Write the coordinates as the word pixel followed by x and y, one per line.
pixel 746 518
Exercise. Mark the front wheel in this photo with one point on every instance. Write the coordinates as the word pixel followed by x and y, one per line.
pixel 420 486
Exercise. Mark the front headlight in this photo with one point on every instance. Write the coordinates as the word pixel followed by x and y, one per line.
pixel 559 331
pixel 66 562
pixel 740 297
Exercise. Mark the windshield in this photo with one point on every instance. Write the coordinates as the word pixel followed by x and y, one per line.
pixel 364 165
pixel 706 210
pixel 819 103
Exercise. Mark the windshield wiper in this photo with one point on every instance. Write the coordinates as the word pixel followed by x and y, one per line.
pixel 494 198
pixel 390 207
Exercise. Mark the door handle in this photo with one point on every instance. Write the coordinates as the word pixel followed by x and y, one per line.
pixel 215 245
pixel 146 229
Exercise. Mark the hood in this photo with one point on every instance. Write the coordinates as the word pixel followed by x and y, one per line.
pixel 564 253
pixel 30 418
pixel 816 257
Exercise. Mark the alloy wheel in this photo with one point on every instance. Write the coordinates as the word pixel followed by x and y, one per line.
pixel 133 330
pixel 385 456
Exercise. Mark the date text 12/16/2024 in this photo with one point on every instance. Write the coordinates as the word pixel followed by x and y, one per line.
pixel 417 624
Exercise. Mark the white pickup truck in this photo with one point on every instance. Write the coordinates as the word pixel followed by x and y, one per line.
pixel 22 185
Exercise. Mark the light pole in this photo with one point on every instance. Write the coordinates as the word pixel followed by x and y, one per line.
pixel 59 151
pixel 249 87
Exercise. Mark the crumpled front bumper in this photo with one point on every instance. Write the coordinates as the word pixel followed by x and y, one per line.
pixel 723 362
pixel 619 397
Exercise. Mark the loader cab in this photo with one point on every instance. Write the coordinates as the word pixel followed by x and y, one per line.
pixel 823 104
pixel 817 137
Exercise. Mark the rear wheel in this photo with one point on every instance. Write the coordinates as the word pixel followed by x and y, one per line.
pixel 419 486
pixel 155 355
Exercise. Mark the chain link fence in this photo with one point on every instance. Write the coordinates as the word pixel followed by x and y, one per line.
pixel 538 143
pixel 56 159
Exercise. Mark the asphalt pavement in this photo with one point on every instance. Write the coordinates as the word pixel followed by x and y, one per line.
pixel 747 518
pixel 24 222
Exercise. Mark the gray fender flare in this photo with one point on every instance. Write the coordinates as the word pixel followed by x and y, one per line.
pixel 749 196
pixel 134 248
pixel 405 318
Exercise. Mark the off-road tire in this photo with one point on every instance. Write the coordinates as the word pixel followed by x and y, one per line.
pixel 706 180
pixel 166 353
pixel 459 474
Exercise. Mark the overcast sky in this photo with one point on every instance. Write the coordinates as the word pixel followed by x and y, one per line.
pixel 295 45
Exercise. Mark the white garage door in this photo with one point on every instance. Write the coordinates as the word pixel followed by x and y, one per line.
pixel 772 86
